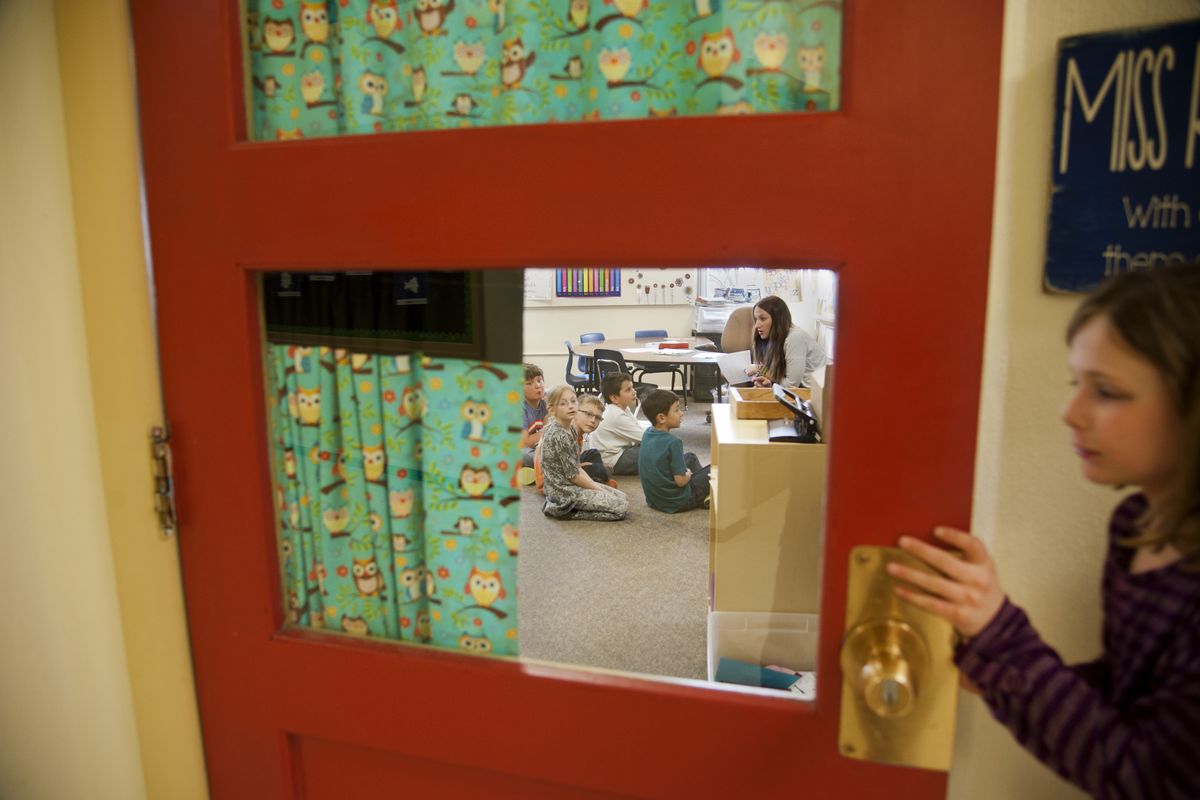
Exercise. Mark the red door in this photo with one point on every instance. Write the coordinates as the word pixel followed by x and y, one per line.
pixel 900 197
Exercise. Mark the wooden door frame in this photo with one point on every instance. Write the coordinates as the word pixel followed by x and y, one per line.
pixel 900 179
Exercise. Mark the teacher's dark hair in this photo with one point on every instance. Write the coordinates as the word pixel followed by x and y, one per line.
pixel 769 351
pixel 1157 314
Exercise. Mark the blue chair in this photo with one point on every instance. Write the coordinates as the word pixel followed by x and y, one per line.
pixel 576 380
pixel 585 364
pixel 653 369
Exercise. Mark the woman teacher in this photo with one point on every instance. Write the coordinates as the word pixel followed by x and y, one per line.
pixel 780 352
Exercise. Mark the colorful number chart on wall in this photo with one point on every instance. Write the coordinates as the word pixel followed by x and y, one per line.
pixel 587 282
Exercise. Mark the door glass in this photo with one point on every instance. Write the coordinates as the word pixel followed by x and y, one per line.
pixel 394 411
pixel 405 513
pixel 318 68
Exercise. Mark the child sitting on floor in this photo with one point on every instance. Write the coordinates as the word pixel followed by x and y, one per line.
pixel 570 492
pixel 587 417
pixel 619 437
pixel 672 480
pixel 535 411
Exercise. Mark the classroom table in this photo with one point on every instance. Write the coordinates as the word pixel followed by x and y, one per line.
pixel 645 351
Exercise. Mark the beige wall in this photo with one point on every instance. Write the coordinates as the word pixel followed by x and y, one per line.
pixel 1046 526
pixel 66 725
pixel 546 326
pixel 98 102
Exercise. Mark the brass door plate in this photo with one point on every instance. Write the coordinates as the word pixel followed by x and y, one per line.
pixel 922 684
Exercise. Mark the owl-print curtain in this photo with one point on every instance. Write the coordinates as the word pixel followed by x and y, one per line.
pixel 397 503
pixel 371 66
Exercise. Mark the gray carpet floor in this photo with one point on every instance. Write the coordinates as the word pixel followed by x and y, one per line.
pixel 629 595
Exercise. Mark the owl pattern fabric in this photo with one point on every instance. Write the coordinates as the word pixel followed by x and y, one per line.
pixel 372 66
pixel 398 513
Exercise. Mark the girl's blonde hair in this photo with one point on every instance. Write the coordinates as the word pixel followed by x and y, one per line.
pixel 555 395
pixel 1157 313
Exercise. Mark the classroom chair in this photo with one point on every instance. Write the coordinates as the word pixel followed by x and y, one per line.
pixel 658 369
pixel 585 363
pixel 613 361
pixel 737 336
pixel 739 330
pixel 576 380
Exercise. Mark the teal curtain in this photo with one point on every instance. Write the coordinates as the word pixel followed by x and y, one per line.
pixel 398 509
pixel 372 66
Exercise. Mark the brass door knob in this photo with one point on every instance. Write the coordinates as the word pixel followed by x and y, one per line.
pixel 884 661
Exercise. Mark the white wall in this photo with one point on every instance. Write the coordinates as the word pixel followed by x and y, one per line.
pixel 1045 525
pixel 66 720
pixel 549 322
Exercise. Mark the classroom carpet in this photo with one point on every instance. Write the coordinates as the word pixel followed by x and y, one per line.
pixel 629 595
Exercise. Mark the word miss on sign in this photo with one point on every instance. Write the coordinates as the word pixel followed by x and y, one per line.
pixel 1124 193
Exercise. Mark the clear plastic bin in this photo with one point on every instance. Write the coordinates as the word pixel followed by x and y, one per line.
pixel 763 638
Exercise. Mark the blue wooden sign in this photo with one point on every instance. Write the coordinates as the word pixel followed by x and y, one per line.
pixel 1125 185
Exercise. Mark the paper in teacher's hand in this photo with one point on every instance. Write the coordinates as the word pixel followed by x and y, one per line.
pixel 733 366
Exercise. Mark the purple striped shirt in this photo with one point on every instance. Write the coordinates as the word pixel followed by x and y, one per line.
pixel 1128 724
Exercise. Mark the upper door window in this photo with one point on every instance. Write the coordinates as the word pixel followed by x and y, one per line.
pixel 373 66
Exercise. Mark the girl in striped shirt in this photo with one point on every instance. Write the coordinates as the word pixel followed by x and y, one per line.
pixel 1128 724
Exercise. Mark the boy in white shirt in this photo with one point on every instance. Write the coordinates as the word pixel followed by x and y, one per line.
pixel 619 437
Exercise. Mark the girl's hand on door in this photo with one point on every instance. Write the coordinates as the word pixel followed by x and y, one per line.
pixel 966 592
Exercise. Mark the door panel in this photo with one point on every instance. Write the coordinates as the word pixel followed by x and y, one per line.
pixel 896 189
pixel 323 770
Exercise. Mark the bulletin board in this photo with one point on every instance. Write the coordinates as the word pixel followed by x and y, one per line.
pixel 650 286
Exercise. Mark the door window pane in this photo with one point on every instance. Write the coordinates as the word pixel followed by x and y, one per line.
pixel 671 594
pixel 393 463
pixel 399 435
pixel 374 66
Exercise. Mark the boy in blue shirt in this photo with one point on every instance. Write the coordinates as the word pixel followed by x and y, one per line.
pixel 535 412
pixel 672 480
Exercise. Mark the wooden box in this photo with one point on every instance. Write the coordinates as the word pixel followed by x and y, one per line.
pixel 755 403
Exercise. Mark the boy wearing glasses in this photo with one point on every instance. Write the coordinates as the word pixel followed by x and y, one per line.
pixel 582 424
pixel 587 419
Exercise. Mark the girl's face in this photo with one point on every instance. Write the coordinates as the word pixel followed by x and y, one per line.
pixel 564 410
pixel 1124 426
pixel 762 323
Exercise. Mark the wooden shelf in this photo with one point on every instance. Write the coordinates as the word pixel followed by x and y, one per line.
pixel 766 520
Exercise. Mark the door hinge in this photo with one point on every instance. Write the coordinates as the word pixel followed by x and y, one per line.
pixel 164 480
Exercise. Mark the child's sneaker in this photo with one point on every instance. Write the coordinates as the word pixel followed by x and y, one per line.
pixel 526 476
